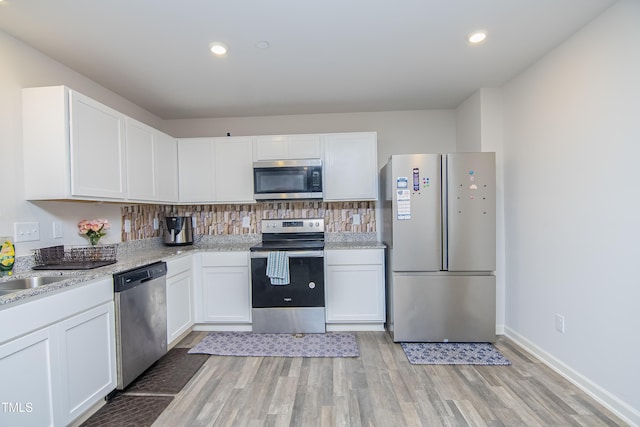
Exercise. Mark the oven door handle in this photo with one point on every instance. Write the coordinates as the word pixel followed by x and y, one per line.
pixel 290 254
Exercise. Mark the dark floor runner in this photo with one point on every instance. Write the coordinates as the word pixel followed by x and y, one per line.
pixel 169 374
pixel 134 411
pixel 144 400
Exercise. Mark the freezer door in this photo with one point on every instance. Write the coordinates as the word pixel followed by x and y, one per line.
pixel 470 218
pixel 416 215
pixel 432 308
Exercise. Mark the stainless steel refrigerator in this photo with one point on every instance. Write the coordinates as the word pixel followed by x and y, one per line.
pixel 439 225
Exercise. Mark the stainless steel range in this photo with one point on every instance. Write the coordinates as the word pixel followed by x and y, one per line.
pixel 287 277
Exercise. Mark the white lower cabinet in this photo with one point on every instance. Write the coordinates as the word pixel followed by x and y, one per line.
pixel 87 367
pixel 29 395
pixel 179 297
pixel 225 288
pixel 57 356
pixel 355 290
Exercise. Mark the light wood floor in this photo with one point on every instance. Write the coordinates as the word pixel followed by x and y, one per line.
pixel 379 388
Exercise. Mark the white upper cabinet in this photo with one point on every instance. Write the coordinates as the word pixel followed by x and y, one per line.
pixel 350 166
pixel 97 149
pixel 287 147
pixel 195 170
pixel 234 169
pixel 215 170
pixel 165 156
pixel 140 165
pixel 74 147
pixel 152 165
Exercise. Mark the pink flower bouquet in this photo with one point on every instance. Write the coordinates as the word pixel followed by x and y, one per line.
pixel 93 230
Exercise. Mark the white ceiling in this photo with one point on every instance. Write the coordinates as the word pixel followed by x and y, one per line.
pixel 325 56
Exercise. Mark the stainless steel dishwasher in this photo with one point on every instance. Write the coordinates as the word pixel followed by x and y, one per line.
pixel 141 319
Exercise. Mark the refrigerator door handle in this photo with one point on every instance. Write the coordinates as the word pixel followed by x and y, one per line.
pixel 444 195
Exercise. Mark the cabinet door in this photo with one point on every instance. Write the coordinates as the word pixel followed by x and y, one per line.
pixel 165 151
pixel 196 170
pixel 355 293
pixel 29 394
pixel 350 166
pixel 286 147
pixel 234 169
pixel 355 286
pixel 304 147
pixel 271 147
pixel 97 149
pixel 179 305
pixel 87 359
pixel 226 294
pixel 140 164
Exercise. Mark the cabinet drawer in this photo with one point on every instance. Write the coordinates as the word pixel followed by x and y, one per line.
pixel 354 256
pixel 225 259
pixel 178 265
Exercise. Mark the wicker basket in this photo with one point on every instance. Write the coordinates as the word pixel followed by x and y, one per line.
pixel 75 254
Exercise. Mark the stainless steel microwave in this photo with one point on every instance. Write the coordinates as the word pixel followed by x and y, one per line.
pixel 287 179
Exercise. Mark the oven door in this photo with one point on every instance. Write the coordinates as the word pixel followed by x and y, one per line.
pixel 306 276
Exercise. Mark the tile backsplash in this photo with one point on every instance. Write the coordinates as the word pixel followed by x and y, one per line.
pixel 227 219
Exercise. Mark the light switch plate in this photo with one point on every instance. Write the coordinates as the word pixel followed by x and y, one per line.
pixel 246 222
pixel 26 231
pixel 356 219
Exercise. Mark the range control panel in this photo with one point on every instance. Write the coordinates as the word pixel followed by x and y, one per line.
pixel 307 225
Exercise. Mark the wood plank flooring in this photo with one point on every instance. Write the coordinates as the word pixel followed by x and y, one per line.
pixel 379 388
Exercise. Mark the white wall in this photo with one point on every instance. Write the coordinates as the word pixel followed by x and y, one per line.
pixel 399 132
pixel 21 67
pixel 572 149
pixel 479 127
pixel 469 124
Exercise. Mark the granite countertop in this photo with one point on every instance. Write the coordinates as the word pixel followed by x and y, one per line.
pixel 129 256
pixel 139 253
pixel 354 245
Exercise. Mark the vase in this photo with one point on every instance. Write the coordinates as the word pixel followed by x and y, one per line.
pixel 93 239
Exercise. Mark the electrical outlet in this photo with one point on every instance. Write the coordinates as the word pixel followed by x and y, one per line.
pixel 246 222
pixel 57 230
pixel 560 323
pixel 26 231
pixel 127 226
pixel 156 225
pixel 356 219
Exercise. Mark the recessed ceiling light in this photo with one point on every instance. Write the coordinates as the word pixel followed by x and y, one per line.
pixel 477 37
pixel 218 48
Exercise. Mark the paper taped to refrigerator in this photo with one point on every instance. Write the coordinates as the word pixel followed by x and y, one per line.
pixel 403 197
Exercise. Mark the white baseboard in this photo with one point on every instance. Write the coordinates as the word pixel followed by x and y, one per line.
pixel 223 327
pixel 614 404
pixel 331 327
pixel 355 327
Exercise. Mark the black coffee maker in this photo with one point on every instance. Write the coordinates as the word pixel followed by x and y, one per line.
pixel 177 230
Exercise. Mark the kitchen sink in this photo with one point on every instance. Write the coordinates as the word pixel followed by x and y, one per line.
pixel 15 285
